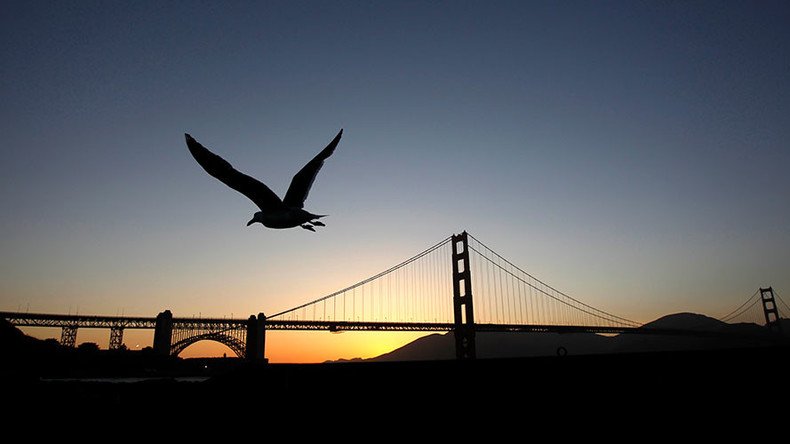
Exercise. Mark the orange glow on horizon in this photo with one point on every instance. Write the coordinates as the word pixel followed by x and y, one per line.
pixel 281 346
pixel 314 346
pixel 320 346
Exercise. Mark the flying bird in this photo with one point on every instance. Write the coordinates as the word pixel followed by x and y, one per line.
pixel 275 213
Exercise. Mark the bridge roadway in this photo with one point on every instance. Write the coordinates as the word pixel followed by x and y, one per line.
pixel 134 322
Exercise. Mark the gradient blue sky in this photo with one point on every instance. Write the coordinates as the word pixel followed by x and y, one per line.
pixel 633 154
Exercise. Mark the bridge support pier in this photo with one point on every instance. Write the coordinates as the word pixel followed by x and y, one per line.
pixel 252 327
pixel 260 336
pixel 116 338
pixel 163 333
pixel 68 336
pixel 256 338
pixel 463 310
pixel 772 321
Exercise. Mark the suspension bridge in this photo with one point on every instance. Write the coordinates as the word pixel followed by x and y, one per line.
pixel 458 285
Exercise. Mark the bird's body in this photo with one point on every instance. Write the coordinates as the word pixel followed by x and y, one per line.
pixel 286 218
pixel 275 213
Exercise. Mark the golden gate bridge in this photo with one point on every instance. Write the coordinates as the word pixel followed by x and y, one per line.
pixel 458 285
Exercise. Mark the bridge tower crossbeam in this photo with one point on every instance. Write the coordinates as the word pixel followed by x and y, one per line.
pixel 772 320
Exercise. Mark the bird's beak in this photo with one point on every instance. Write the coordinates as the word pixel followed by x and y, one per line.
pixel 251 222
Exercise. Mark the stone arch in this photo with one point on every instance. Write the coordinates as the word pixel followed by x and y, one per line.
pixel 233 343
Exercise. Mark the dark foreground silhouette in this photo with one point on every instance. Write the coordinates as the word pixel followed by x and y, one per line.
pixel 651 381
pixel 557 382
pixel 275 213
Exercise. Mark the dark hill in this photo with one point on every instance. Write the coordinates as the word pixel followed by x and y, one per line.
pixel 427 348
pixel 627 343
pixel 687 321
pixel 24 355
pixel 13 339
pixel 509 345
pixel 499 345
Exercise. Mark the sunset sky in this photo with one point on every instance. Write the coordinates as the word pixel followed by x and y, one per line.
pixel 634 154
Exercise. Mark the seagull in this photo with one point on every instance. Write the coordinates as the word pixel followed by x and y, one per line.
pixel 275 213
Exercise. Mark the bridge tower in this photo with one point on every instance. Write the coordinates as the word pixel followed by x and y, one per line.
pixel 163 333
pixel 772 321
pixel 463 310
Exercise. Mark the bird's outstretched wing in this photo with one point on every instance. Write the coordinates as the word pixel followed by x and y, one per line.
pixel 303 180
pixel 218 167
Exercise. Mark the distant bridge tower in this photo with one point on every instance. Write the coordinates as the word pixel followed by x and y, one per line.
pixel 463 310
pixel 772 320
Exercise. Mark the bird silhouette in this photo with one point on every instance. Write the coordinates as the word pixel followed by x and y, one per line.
pixel 275 213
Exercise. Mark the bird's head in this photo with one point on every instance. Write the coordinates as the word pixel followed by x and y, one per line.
pixel 257 217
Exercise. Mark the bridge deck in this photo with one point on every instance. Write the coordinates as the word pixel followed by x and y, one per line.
pixel 92 321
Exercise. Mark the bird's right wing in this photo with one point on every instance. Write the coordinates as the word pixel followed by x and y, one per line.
pixel 303 180
pixel 218 167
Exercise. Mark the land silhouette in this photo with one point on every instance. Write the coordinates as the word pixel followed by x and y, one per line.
pixel 510 366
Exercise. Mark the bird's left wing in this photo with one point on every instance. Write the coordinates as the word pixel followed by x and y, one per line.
pixel 303 180
pixel 218 167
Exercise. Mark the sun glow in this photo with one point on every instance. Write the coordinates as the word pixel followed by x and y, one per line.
pixel 312 346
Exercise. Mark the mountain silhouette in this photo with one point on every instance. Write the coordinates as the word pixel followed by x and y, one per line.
pixel 14 340
pixel 432 347
pixel 508 345
pixel 499 345
pixel 687 321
